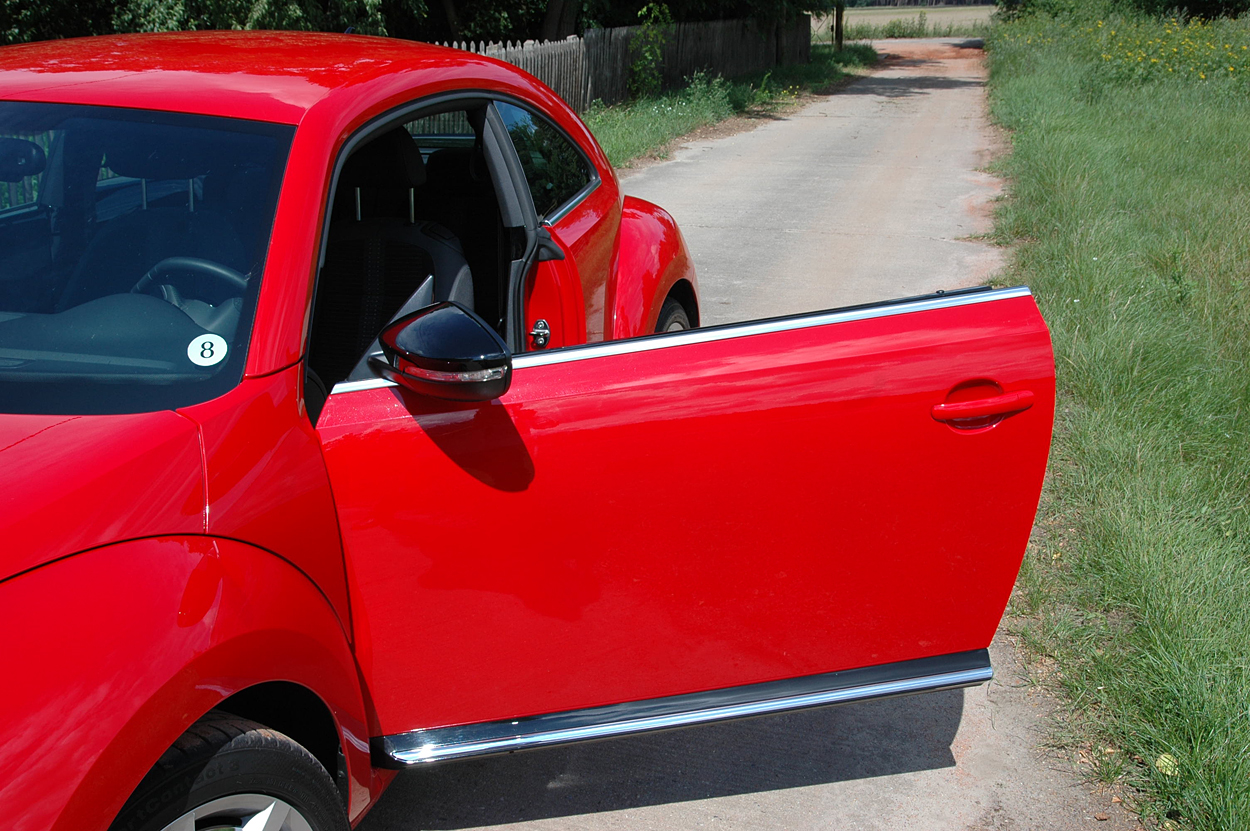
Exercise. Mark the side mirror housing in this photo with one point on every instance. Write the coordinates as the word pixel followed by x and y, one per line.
pixel 445 351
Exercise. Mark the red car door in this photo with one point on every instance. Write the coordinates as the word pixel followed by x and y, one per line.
pixel 654 519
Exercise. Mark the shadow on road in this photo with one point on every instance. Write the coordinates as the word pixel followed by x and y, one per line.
pixel 907 87
pixel 859 741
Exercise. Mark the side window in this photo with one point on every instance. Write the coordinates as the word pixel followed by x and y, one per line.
pixel 554 167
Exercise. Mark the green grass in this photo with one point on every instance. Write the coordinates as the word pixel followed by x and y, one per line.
pixel 1130 199
pixel 919 26
pixel 871 22
pixel 645 127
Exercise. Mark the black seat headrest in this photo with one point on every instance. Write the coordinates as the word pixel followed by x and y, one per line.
pixel 390 160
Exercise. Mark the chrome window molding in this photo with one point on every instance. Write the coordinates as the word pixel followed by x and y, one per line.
pixel 575 200
pixel 423 747
pixel 730 331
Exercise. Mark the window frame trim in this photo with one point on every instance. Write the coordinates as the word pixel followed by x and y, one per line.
pixel 567 206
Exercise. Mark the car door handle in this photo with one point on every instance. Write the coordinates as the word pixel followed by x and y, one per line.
pixel 1000 405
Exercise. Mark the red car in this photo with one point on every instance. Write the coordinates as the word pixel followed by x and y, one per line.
pixel 334 442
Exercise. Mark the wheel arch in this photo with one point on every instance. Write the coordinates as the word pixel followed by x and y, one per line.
pixel 299 713
pixel 683 292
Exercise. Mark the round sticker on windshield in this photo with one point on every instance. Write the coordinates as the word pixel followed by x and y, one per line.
pixel 207 350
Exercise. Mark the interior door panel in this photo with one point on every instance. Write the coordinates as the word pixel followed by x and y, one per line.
pixel 694 511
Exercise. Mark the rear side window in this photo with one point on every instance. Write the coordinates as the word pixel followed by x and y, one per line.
pixel 131 248
pixel 554 167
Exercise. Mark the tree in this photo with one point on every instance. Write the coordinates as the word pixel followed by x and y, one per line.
pixel 560 21
pixel 22 21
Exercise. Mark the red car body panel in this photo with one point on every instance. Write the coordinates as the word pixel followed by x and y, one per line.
pixel 591 235
pixel 74 482
pixel 123 647
pixel 555 295
pixel 653 253
pixel 541 552
pixel 267 482
pixel 593 579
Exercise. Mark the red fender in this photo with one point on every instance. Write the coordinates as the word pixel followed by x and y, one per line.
pixel 652 258
pixel 113 653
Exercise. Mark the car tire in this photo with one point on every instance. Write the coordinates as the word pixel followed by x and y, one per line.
pixel 225 771
pixel 673 317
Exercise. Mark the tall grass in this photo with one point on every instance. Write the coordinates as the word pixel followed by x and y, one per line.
pixel 914 27
pixel 628 131
pixel 1131 200
pixel 643 127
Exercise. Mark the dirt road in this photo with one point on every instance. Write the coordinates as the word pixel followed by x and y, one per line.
pixel 865 195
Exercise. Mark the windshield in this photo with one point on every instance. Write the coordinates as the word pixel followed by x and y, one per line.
pixel 131 248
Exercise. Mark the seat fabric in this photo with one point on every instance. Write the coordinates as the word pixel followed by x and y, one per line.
pixel 379 263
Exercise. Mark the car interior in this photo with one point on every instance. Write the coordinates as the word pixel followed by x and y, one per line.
pixel 123 237
pixel 415 219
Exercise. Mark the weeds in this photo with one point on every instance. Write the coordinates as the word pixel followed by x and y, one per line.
pixel 1129 196
pixel 874 24
pixel 913 27
pixel 643 127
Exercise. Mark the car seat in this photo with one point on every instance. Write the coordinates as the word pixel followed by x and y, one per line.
pixel 380 261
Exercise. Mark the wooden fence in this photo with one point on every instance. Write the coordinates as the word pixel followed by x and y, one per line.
pixel 596 66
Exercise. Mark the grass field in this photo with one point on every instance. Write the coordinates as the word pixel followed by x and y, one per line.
pixel 1130 202
pixel 871 23
pixel 641 128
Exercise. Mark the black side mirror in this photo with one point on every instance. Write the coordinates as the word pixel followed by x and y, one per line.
pixel 20 158
pixel 445 351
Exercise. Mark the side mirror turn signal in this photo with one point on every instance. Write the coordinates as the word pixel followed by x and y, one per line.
pixel 445 351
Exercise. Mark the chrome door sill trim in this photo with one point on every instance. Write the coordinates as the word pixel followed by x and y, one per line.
pixel 807 320
pixel 423 747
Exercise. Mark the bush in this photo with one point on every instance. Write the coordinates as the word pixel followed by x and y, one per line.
pixel 646 73
pixel 916 27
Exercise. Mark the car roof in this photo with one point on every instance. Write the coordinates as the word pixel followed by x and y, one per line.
pixel 266 76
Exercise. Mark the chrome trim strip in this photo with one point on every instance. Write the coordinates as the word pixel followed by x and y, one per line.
pixel 761 327
pixel 738 330
pixel 366 384
pixel 575 200
pixel 422 747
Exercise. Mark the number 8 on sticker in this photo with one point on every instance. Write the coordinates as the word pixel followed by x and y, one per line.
pixel 207 350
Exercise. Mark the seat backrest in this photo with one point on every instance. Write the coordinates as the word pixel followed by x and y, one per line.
pixel 379 262
pixel 124 249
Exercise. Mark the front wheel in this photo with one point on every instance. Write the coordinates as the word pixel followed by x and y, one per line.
pixel 231 774
pixel 673 317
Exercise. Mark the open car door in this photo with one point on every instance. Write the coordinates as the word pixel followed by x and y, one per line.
pixel 705 524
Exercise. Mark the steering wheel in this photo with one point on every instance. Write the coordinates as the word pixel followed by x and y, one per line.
pixel 225 275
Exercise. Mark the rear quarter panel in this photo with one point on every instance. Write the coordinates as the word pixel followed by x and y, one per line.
pixel 652 258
